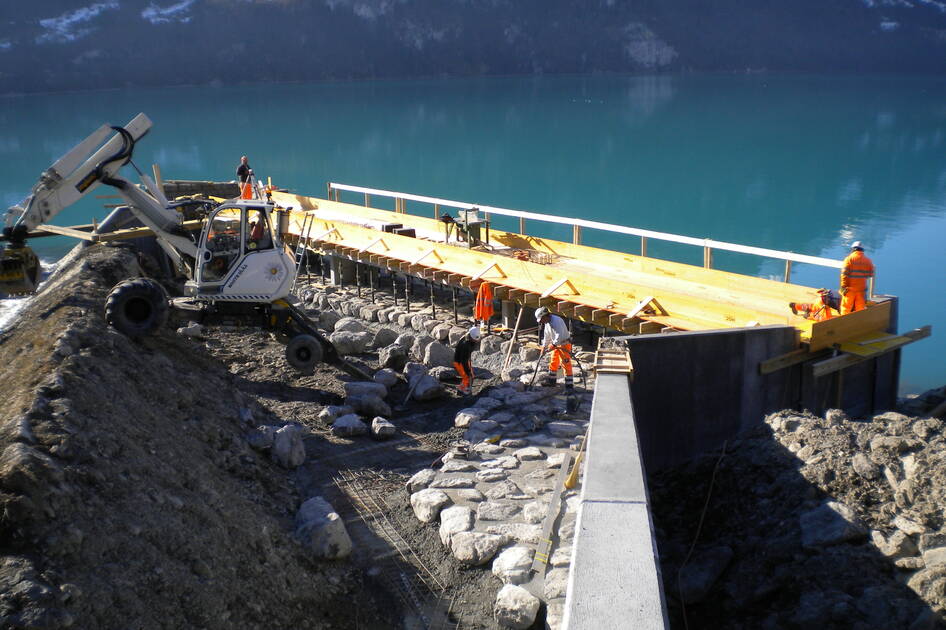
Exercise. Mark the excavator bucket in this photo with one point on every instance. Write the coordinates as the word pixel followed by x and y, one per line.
pixel 19 271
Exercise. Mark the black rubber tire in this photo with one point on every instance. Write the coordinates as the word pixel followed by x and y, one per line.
pixel 137 307
pixel 304 352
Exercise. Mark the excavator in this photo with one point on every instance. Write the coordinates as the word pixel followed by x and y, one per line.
pixel 237 270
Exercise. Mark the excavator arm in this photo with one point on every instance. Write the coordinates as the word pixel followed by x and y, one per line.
pixel 73 176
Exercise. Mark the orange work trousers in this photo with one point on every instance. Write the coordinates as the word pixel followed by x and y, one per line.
pixel 561 356
pixel 464 372
pixel 853 301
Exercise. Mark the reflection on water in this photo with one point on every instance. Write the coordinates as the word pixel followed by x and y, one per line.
pixel 806 164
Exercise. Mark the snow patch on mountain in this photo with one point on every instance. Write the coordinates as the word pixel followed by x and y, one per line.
pixel 70 26
pixel 175 13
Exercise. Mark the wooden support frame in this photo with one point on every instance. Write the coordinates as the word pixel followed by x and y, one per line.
pixel 835 364
pixel 649 328
pixel 380 239
pixel 487 268
pixel 641 306
pixel 432 250
pixel 555 287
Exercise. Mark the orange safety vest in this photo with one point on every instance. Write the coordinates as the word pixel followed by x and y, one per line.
pixel 817 311
pixel 483 309
pixel 856 270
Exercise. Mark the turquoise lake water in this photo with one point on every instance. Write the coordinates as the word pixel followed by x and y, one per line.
pixel 805 164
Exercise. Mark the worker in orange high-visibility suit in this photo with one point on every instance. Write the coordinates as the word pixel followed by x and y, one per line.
pixel 855 273
pixel 557 340
pixel 463 359
pixel 820 310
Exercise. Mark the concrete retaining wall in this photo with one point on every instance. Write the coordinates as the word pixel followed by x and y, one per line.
pixel 614 581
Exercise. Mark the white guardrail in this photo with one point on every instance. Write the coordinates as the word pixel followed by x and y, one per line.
pixel 707 244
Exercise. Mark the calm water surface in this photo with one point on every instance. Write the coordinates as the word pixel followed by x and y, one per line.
pixel 806 164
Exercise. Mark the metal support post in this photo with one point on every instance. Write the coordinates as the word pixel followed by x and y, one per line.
pixel 433 307
pixel 407 292
pixel 394 287
pixel 358 277
pixel 788 271
pixel 371 282
pixel 455 318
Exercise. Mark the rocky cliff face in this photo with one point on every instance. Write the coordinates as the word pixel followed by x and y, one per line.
pixel 55 45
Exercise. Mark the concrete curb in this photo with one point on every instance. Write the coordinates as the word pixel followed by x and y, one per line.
pixel 614 580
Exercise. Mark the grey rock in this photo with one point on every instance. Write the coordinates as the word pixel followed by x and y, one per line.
pixel 527 353
pixel 456 334
pixel 515 607
pixel 490 344
pixel 457 465
pixel 418 321
pixel 465 417
pixel 443 374
pixel 471 494
pixel 421 480
pixel 382 428
pixel 525 533
pixel 386 377
pixel 489 476
pixel 393 357
pixel 529 453
pixel 349 343
pixel 437 355
pixel 441 333
pixel 429 388
pixel 328 318
pixel 475 548
pixel 384 337
pixel 513 565
pixel 485 402
pixel 556 583
pixel 349 324
pixel 262 438
pixel 288 450
pixel 414 371
pixel 864 467
pixel 420 347
pixel 453 482
pixel 332 412
pixel 453 520
pixel 349 426
pixel 496 510
pixel 908 526
pixel 368 405
pixel 405 340
pixel 427 504
pixel 830 524
pixel 366 388
pixel 701 572
pixel 322 530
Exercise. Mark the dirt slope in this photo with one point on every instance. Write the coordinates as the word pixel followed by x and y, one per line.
pixel 128 496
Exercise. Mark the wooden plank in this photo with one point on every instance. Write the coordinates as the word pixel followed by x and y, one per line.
pixel 846 327
pixel 789 359
pixel 500 292
pixel 647 328
pixel 834 364
pixel 869 345
pixel 517 295
pixel 65 231
pixel 531 299
pixel 565 308
pixel 583 312
pixel 640 306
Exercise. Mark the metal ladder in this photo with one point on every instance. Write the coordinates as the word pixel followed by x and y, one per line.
pixel 301 246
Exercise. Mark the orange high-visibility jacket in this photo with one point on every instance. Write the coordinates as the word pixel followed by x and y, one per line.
pixel 856 270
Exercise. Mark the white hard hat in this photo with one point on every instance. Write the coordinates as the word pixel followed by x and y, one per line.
pixel 474 333
pixel 857 245
pixel 541 312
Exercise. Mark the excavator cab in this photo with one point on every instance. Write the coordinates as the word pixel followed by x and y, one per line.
pixel 240 257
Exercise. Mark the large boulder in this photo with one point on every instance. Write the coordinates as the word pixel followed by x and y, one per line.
pixel 441 332
pixel 413 371
pixel 368 405
pixel 466 417
pixel 420 345
pixel 349 426
pixel 421 480
pixel 474 548
pixel 322 530
pixel 365 388
pixel 331 413
pixel 328 318
pixel 393 357
pixel 427 504
pixel 438 355
pixel 349 343
pixel 382 428
pixel 386 377
pixel 406 341
pixel 443 374
pixel 456 334
pixel 830 524
pixel 491 344
pixel 418 321
pixel 515 607
pixel 428 388
pixel 350 324
pixel 453 520
pixel 384 337
pixel 514 565
pixel 288 450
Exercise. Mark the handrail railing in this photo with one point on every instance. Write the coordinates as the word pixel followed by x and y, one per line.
pixel 707 244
